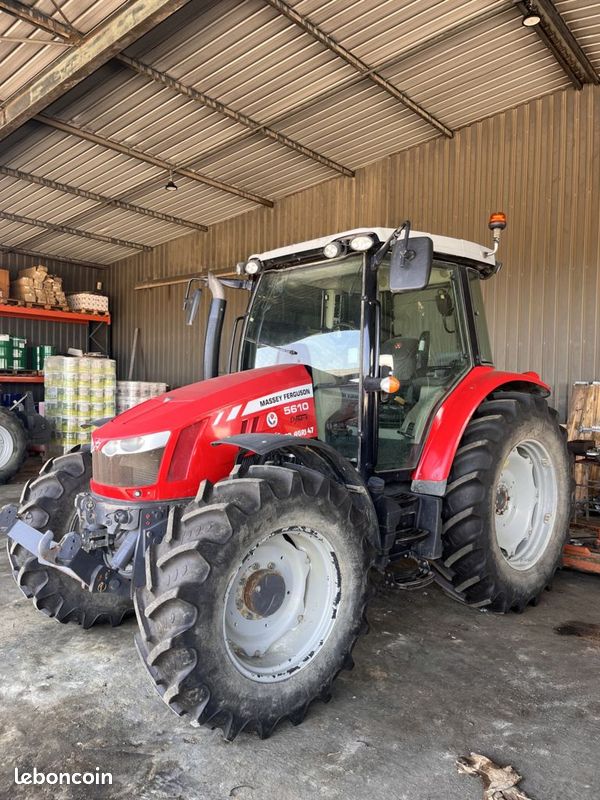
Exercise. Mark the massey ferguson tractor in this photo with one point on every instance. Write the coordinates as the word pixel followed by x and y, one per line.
pixel 363 430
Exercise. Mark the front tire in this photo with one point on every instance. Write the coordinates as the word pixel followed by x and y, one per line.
pixel 47 503
pixel 255 599
pixel 13 444
pixel 507 503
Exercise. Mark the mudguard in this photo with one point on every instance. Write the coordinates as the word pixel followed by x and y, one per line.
pixel 453 416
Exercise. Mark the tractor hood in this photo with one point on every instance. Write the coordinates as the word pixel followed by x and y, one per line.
pixel 255 401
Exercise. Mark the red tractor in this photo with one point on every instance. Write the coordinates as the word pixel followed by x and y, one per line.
pixel 365 429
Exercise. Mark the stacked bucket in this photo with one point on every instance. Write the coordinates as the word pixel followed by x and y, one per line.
pixel 77 392
pixel 131 393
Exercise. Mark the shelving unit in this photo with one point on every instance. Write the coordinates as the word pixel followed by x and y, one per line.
pixel 51 315
pixel 21 378
pixel 98 331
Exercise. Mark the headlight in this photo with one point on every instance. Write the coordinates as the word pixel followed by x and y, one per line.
pixel 135 444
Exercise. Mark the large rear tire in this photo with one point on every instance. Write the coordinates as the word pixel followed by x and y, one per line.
pixel 507 504
pixel 255 599
pixel 13 444
pixel 47 503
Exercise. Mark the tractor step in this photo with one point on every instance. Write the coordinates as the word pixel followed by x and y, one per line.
pixel 408 572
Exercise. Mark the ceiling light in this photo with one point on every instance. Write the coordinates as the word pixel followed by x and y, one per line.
pixel 532 18
pixel 170 185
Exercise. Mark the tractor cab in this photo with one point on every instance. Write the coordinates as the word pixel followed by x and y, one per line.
pixel 385 341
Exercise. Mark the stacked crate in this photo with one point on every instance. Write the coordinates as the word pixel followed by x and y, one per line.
pixel 78 391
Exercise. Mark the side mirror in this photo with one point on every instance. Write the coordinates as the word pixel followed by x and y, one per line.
pixel 191 302
pixel 410 265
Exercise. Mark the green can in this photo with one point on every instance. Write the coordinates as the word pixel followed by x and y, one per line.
pixel 19 348
pixel 38 355
pixel 6 353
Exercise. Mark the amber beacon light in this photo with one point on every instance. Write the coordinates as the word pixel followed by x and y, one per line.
pixel 496 223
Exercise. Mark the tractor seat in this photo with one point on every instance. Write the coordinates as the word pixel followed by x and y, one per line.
pixel 400 354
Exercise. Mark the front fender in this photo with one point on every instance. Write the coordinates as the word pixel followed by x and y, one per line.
pixel 334 464
pixel 453 416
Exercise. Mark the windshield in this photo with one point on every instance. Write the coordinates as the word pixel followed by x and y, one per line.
pixel 311 315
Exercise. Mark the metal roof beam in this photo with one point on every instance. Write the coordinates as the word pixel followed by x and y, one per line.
pixel 39 20
pixel 100 198
pixel 56 228
pixel 21 251
pixel 121 29
pixel 253 125
pixel 358 64
pixel 560 40
pixel 141 155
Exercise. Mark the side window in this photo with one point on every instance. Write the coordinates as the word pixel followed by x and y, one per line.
pixel 481 328
pixel 423 344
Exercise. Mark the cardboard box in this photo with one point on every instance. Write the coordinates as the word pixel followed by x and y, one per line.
pixel 37 273
pixel 4 282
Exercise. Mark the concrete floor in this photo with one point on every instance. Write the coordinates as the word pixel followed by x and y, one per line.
pixel 433 681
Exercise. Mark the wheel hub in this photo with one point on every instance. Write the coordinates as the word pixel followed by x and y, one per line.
pixel 263 593
pixel 281 604
pixel 525 504
pixel 502 499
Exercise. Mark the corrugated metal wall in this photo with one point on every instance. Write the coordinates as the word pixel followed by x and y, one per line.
pixel 61 335
pixel 539 162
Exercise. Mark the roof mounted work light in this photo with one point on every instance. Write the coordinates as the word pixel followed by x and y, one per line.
pixel 333 249
pixel 362 243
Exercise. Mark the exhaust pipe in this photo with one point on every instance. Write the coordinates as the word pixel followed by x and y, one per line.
pixel 214 327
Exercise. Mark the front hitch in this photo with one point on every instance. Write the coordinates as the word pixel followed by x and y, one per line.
pixel 68 556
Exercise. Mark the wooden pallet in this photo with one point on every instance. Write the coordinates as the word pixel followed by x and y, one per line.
pixel 584 412
pixel 13 301
pixel 91 311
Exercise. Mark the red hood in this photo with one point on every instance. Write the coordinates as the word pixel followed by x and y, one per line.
pixel 182 407
pixel 276 399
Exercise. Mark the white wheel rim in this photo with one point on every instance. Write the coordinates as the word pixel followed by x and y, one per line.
pixel 525 504
pixel 6 447
pixel 281 604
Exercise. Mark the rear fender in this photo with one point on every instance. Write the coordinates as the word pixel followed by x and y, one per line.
pixel 453 416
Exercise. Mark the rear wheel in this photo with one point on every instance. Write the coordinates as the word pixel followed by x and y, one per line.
pixel 255 599
pixel 47 503
pixel 506 508
pixel 13 444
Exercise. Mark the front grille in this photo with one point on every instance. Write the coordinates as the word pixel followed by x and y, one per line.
pixel 133 469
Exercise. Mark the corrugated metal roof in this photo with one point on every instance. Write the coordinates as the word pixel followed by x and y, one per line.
pixel 462 60
pixel 22 61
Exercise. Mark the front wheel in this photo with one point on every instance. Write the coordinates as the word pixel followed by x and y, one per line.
pixel 255 599
pixel 507 504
